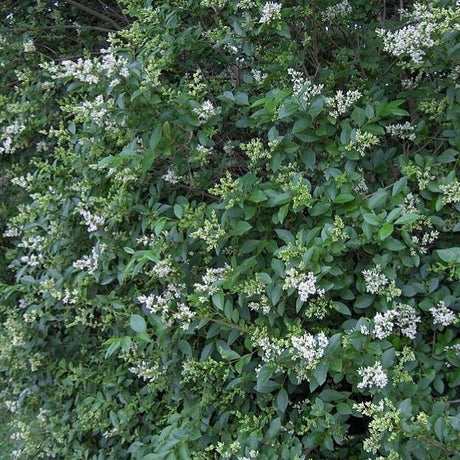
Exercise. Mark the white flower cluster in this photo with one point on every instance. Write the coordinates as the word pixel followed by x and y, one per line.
pixel 304 283
pixel 372 376
pixel 90 263
pixel 209 281
pixel 402 130
pixel 33 242
pixel 90 70
pixel 163 268
pixel 92 221
pixel 32 260
pixel 251 456
pixel 7 146
pixel 70 297
pixel 95 111
pixel 410 204
pixel 443 315
pixel 338 11
pixel 146 240
pixel 206 111
pixel 161 303
pixel 303 87
pixel 246 4
pixel 310 348
pixel 263 304
pixel 270 349
pixel 258 76
pixel 184 316
pixel 451 192
pixel 421 244
pixel 146 371
pixel 210 232
pixel 375 279
pixel 362 142
pixel 409 40
pixel 378 283
pixel 342 102
pixel 361 187
pixel 271 11
pixel 11 231
pixel 29 46
pixel 11 406
pixel 414 39
pixel 402 316
pixel 171 177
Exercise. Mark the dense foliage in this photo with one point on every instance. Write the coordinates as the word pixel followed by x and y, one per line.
pixel 232 231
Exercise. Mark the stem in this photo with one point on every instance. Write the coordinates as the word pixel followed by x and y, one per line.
pixel 64 26
pixel 95 13
pixel 225 323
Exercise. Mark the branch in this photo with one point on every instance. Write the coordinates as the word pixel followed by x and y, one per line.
pixel 62 26
pixel 95 13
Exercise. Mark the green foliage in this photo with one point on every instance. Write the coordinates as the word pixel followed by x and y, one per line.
pixel 232 233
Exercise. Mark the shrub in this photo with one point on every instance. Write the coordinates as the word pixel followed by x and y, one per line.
pixel 236 236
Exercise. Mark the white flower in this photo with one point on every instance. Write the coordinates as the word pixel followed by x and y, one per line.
pixel 184 315
pixel 442 315
pixel 403 131
pixel 304 283
pixel 258 76
pixel 342 102
pixel 383 324
pixel 206 111
pixel 309 347
pixel 303 87
pixel 91 221
pixel 29 46
pixel 339 10
pixel 270 349
pixel 210 279
pixel 171 177
pixel 148 373
pixel 372 376
pixel 401 316
pixel 374 279
pixel 271 11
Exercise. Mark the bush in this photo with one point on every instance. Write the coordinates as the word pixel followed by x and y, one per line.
pixel 236 235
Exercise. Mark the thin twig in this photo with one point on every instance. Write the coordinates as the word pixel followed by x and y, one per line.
pixel 94 13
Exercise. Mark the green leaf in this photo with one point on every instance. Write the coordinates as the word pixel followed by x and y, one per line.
pixel 316 107
pixel 320 373
pixel 282 400
pixel 319 208
pixel 385 231
pixel 371 219
pixel 392 108
pixel 344 198
pixel 378 199
pixel 241 227
pixel 155 138
pixel 242 99
pixel 388 358
pixel 398 186
pixel 275 428
pixel 448 156
pixel 284 31
pixel 451 255
pixel 137 323
pixel 264 376
pixel 407 219
pixel 228 353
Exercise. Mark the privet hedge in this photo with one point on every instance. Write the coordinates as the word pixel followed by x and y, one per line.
pixel 233 233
